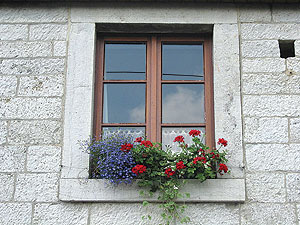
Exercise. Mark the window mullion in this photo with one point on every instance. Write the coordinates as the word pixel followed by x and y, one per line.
pixel 153 106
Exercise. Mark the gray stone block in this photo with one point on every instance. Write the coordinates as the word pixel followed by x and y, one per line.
pixel 36 187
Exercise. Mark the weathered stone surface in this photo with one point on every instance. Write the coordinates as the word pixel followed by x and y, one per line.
pixel 227 102
pixel 203 214
pixel 297 48
pixel 12 158
pixel 30 108
pixel 261 48
pixel 271 105
pixel 255 13
pixel 62 214
pixel 292 186
pixel 79 85
pixel 36 187
pixel 8 86
pixel 272 157
pixel 34 132
pixel 211 190
pixel 24 49
pixel 48 32
pixel 266 130
pixel 266 65
pixel 293 64
pixel 3 132
pixel 43 159
pixel 41 86
pixel 286 13
pixel 148 12
pixel 265 187
pixel 273 83
pixel 270 31
pixel 268 213
pixel 115 214
pixel 15 213
pixel 11 32
pixel 206 214
pixel 295 129
pixel 32 66
pixel 6 187
pixel 34 14
pixel 298 211
pixel 293 157
pixel 60 48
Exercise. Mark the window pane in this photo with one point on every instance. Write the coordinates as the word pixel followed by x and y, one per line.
pixel 183 103
pixel 125 61
pixel 124 103
pixel 133 131
pixel 182 62
pixel 169 134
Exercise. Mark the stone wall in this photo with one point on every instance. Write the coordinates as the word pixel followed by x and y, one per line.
pixel 33 60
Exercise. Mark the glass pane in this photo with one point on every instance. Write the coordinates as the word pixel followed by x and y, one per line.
pixel 169 134
pixel 133 131
pixel 183 103
pixel 182 62
pixel 124 103
pixel 125 62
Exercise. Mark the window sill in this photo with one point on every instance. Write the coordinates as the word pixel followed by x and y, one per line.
pixel 92 190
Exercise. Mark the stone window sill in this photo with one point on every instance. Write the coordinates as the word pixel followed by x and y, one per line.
pixel 92 190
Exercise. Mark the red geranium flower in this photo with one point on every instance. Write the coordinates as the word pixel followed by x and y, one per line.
pixel 222 141
pixel 223 167
pixel 179 139
pixel 180 165
pixel 146 143
pixel 194 133
pixel 139 139
pixel 126 147
pixel 169 172
pixel 139 169
pixel 201 159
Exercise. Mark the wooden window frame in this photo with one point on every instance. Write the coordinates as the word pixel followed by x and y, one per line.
pixel 153 104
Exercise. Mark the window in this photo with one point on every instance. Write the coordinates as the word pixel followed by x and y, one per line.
pixel 160 86
pixel 79 104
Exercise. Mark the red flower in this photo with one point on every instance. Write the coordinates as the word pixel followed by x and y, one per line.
pixel 139 139
pixel 194 133
pixel 201 159
pixel 222 141
pixel 223 167
pixel 180 165
pixel 138 169
pixel 146 144
pixel 179 139
pixel 169 172
pixel 126 147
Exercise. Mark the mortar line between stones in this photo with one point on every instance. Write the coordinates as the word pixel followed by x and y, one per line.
pixel 289 130
pixel 89 215
pixel 25 161
pixel 32 212
pixel 242 115
pixel 296 213
pixel 285 188
pixel 63 99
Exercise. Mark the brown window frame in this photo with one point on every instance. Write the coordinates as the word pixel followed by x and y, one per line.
pixel 153 123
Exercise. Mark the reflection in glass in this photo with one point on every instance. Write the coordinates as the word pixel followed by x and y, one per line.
pixel 183 103
pixel 182 62
pixel 169 134
pixel 124 103
pixel 125 62
pixel 133 131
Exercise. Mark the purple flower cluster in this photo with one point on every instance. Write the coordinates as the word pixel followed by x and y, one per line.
pixel 108 161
